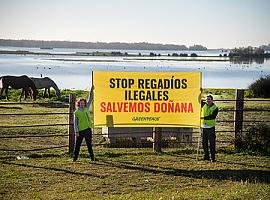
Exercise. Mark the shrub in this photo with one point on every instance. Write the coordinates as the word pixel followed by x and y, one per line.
pixel 257 139
pixel 261 87
pixel 183 55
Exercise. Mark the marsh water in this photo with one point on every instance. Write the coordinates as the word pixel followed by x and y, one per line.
pixel 74 72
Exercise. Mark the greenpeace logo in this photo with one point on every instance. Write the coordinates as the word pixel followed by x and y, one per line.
pixel 148 119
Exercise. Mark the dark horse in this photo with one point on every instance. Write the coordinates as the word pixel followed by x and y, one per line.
pixel 18 82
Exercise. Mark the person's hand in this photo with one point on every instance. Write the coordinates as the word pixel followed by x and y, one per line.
pixel 76 134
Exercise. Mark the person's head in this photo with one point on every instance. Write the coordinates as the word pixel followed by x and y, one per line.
pixel 81 103
pixel 209 100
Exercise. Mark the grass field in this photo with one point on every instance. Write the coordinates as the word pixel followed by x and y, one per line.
pixel 135 174
pixel 123 173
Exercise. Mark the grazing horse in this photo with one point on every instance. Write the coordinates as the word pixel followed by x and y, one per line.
pixel 46 83
pixel 18 82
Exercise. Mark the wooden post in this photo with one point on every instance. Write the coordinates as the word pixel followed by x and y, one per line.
pixel 238 117
pixel 71 133
pixel 157 136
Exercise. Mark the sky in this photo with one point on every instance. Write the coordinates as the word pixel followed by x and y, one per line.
pixel 211 23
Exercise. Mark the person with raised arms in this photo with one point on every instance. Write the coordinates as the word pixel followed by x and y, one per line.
pixel 83 126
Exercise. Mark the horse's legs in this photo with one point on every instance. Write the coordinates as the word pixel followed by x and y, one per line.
pixel 6 91
pixel 29 92
pixel 23 91
pixel 2 90
pixel 44 93
pixel 49 92
pixel 26 93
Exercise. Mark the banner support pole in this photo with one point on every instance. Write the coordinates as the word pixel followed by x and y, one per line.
pixel 198 145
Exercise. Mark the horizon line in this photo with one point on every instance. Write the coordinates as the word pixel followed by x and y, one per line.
pixel 42 40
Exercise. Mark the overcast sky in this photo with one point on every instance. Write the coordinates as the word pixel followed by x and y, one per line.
pixel 211 23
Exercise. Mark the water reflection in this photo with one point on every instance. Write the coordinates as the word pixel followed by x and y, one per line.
pixel 248 60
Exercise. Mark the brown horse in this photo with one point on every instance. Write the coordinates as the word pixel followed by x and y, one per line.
pixel 18 82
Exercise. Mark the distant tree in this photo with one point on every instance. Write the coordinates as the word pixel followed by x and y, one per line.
pixel 265 47
pixel 196 47
pixel 246 52
pixel 116 53
pixel 193 55
pixel 183 55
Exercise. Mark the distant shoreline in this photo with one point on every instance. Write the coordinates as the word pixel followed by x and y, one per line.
pixel 100 53
pixel 130 57
pixel 127 57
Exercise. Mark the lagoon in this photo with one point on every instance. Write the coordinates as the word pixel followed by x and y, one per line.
pixel 74 72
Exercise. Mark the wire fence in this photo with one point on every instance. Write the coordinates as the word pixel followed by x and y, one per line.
pixel 125 139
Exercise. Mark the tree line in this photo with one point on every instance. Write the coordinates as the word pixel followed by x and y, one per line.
pixel 98 45
pixel 248 52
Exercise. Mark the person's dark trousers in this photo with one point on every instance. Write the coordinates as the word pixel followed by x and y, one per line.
pixel 87 134
pixel 209 134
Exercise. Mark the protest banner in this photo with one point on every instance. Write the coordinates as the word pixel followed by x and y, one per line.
pixel 147 99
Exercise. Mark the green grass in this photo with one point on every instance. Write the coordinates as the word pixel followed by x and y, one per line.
pixel 135 174
pixel 123 173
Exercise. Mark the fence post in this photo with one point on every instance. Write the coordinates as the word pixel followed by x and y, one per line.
pixel 157 136
pixel 71 134
pixel 238 117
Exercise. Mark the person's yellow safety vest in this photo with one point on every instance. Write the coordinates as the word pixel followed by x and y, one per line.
pixel 84 119
pixel 206 111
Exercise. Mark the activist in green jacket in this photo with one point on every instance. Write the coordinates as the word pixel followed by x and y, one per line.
pixel 209 114
pixel 82 118
pixel 83 126
pixel 208 123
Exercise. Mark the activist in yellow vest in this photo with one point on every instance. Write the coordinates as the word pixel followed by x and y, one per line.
pixel 84 119
pixel 206 111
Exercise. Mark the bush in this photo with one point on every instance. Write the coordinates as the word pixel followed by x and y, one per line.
pixel 257 139
pixel 261 87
